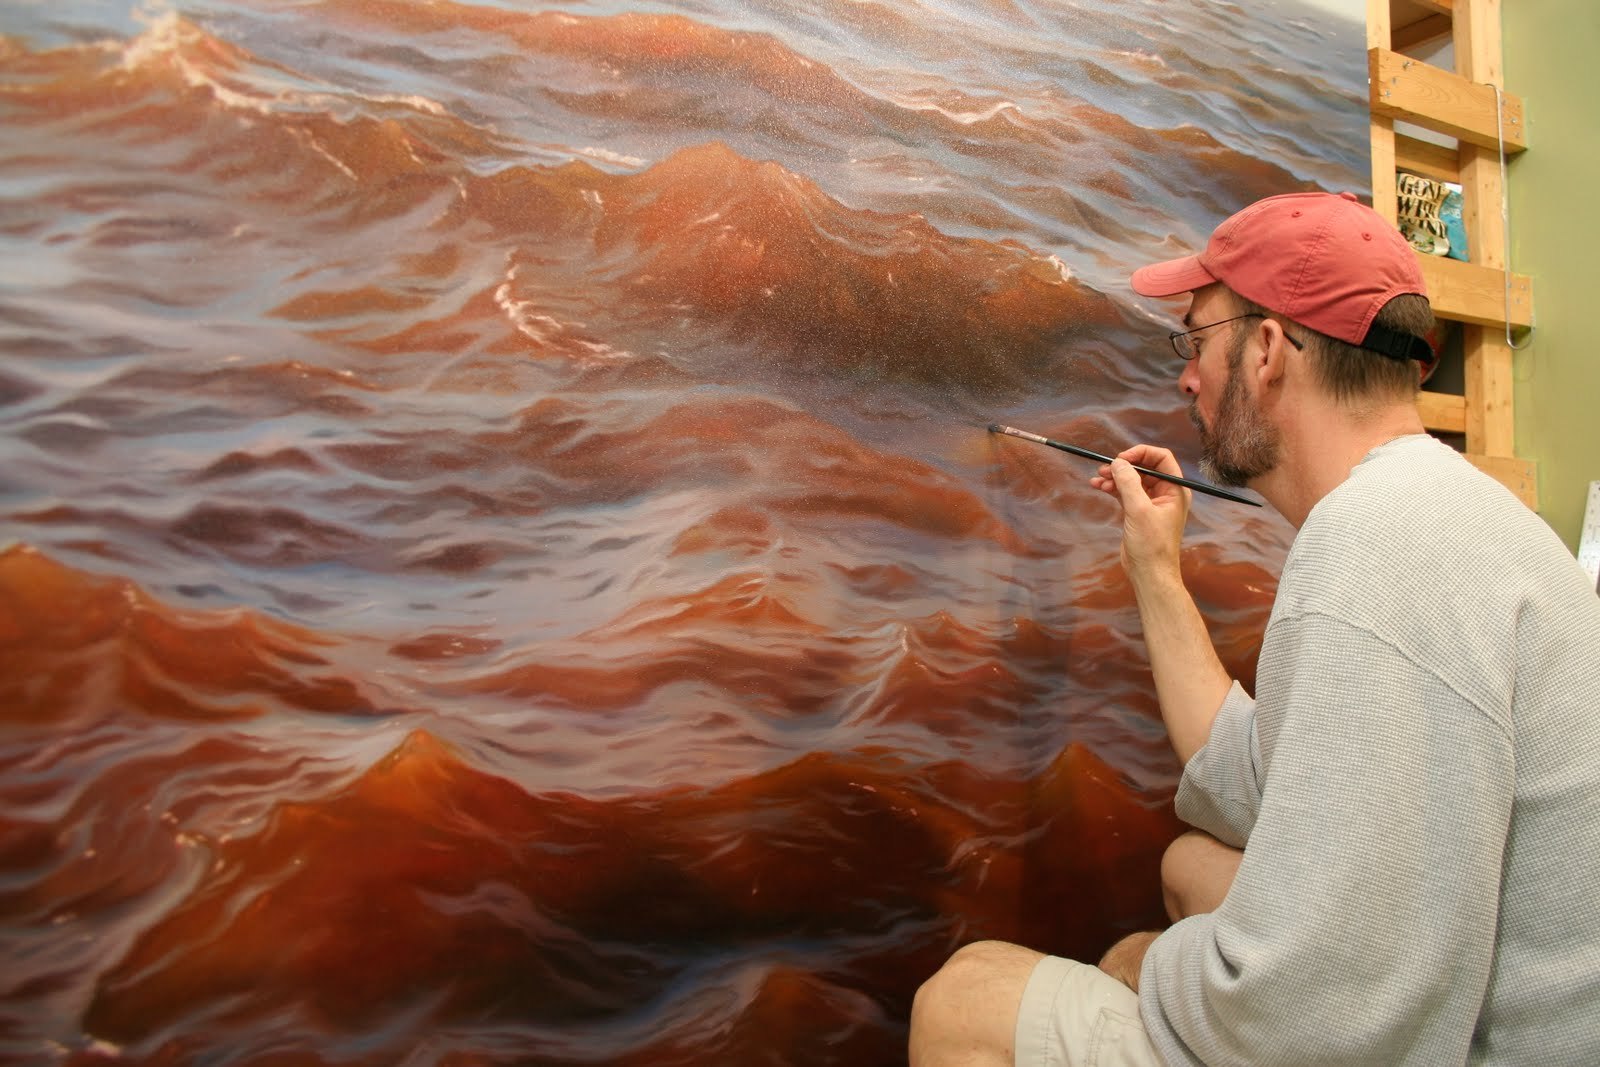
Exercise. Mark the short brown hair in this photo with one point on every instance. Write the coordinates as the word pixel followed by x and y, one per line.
pixel 1352 373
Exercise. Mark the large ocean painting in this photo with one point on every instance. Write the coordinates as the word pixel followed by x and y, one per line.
pixel 500 557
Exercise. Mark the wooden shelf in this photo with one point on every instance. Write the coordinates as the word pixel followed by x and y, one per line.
pixel 1470 105
pixel 1468 292
pixel 1425 30
pixel 1409 89
pixel 1439 162
pixel 1443 412
pixel 1414 22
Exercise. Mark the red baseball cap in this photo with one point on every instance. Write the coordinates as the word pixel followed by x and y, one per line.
pixel 1327 262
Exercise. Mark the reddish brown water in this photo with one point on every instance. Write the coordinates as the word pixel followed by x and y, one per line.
pixel 503 561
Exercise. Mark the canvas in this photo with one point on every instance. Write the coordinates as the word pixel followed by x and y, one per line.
pixel 502 561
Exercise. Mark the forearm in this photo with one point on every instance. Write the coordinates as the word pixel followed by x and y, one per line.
pixel 1191 682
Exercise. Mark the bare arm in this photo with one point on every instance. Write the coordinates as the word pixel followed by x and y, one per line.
pixel 1191 682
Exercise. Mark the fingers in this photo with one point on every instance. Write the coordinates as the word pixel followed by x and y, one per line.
pixel 1120 480
pixel 1153 457
pixel 1108 480
pixel 1154 511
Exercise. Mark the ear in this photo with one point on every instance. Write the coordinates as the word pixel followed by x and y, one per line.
pixel 1273 354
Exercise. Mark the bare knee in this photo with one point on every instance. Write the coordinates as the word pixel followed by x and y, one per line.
pixel 966 1013
pixel 941 997
pixel 1197 871
pixel 968 965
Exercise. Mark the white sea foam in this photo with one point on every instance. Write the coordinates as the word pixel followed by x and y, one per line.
pixel 169 38
pixel 543 329
pixel 608 156
pixel 965 118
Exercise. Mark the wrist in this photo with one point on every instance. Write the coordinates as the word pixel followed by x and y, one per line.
pixel 1156 579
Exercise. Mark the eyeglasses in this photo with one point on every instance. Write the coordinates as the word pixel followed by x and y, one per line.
pixel 1187 345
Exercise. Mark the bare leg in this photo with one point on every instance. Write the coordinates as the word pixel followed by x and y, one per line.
pixel 1196 872
pixel 967 1013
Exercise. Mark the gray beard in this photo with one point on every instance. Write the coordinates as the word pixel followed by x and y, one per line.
pixel 1242 446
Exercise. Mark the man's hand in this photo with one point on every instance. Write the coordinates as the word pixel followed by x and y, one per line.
pixel 1153 511
pixel 1123 960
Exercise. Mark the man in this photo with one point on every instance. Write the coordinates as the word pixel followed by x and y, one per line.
pixel 1399 860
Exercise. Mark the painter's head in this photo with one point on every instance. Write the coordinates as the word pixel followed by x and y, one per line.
pixel 1333 270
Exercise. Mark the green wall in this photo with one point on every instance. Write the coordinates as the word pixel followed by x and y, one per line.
pixel 1552 61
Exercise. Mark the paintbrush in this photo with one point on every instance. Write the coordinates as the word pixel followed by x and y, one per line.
pixel 1189 483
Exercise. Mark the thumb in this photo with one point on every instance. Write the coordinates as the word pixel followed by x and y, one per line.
pixel 1129 482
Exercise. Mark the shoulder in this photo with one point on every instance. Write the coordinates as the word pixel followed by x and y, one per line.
pixel 1419 480
pixel 1437 560
pixel 1416 513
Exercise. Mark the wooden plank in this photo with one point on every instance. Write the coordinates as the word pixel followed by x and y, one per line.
pixel 1487 356
pixel 1477 49
pixel 1423 31
pixel 1487 367
pixel 1381 131
pixel 1442 412
pixel 1467 292
pixel 1380 19
pixel 1405 12
pixel 1385 194
pixel 1476 37
pixel 1521 476
pixel 1483 206
pixel 1409 89
pixel 1427 159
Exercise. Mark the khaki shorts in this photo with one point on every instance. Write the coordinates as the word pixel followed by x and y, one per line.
pixel 1075 1015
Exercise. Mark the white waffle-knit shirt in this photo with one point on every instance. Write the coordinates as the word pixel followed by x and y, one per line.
pixel 1417 789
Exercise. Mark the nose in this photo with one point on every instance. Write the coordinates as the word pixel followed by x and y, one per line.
pixel 1189 380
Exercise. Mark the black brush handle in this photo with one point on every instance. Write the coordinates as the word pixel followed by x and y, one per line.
pixel 1187 483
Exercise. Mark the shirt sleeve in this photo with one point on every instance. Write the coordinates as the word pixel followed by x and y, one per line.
pixel 1220 791
pixel 1361 925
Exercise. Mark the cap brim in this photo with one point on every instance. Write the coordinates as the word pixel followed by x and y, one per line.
pixel 1172 277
